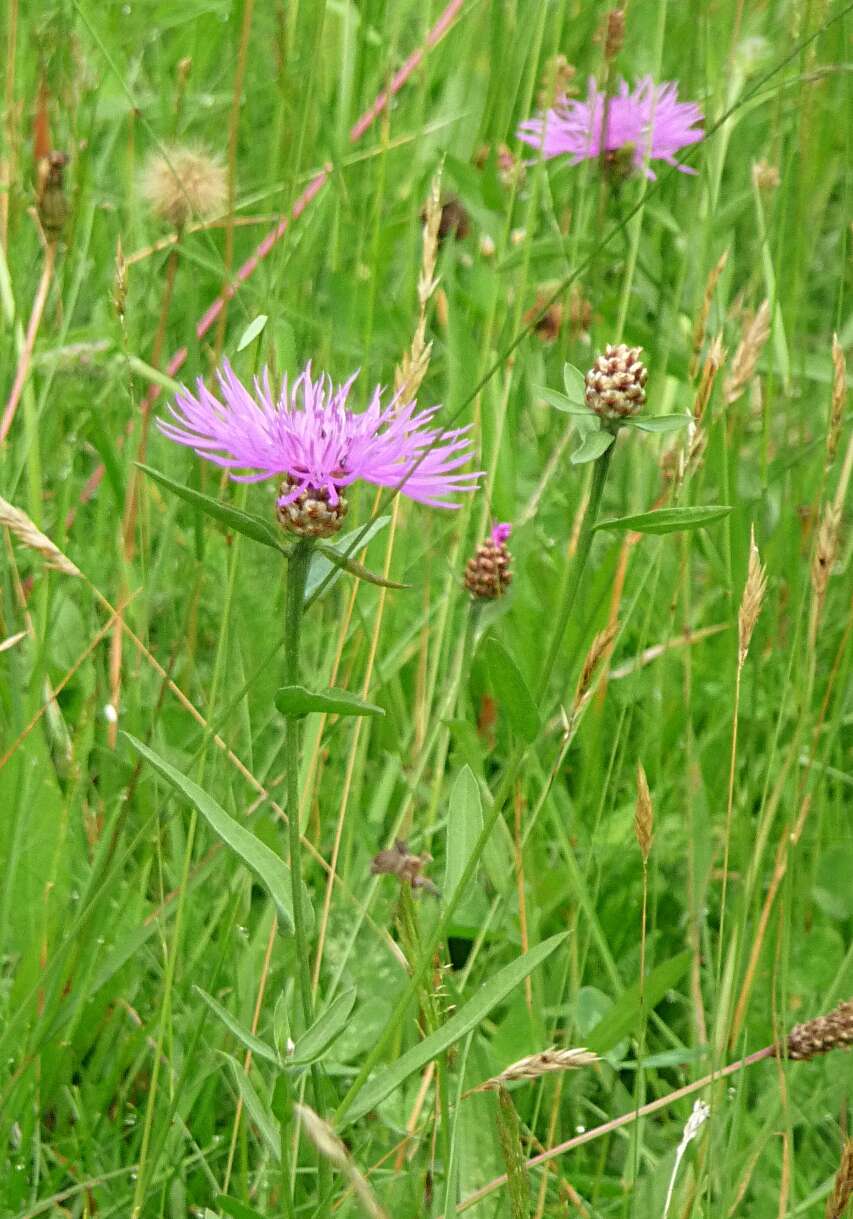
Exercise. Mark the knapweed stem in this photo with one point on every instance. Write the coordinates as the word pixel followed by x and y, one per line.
pixel 574 573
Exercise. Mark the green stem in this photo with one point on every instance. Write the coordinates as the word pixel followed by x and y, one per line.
pixel 572 582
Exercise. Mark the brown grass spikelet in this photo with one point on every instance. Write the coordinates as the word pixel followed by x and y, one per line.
pixel 842 1192
pixel 332 1149
pixel 837 402
pixel 181 183
pixel 756 332
pixel 18 523
pixel 597 651
pixel 701 323
pixel 714 361
pixel 120 281
pixel 752 600
pixel 834 1031
pixel 643 814
pixel 412 369
pixel 557 81
pixel 536 1065
pixel 824 555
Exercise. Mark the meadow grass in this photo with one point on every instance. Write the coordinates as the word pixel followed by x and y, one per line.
pixel 670 799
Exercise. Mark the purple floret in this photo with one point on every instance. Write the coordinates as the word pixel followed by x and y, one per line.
pixel 307 433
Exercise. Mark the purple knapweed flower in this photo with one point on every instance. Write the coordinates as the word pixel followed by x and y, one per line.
pixel 501 532
pixel 650 122
pixel 306 434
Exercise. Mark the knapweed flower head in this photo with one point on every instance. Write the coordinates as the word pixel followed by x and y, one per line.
pixel 306 434
pixel 615 386
pixel 647 123
pixel 488 574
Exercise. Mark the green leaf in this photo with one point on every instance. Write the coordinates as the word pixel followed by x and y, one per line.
pixel 468 1017
pixel 575 383
pixel 254 527
pixel 512 690
pixel 464 826
pixel 554 398
pixel 667 520
pixel 592 446
pixel 296 701
pixel 252 331
pixel 625 1013
pixel 235 1209
pixel 154 375
pixel 322 574
pixel 326 1028
pixel 259 1113
pixel 259 1048
pixel 659 423
pixel 346 563
pixel 270 869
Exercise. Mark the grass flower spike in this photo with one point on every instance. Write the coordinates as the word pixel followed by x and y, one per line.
pixel 307 435
pixel 649 121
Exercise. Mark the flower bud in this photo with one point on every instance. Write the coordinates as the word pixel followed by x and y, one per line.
pixel 615 385
pixel 487 574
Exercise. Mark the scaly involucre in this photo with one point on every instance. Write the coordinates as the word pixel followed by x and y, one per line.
pixel 649 120
pixel 307 433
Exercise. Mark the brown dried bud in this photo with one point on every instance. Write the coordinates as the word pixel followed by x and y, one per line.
pixel 311 515
pixel 488 574
pixel 831 1032
pixel 51 202
pixel 615 385
pixel 454 220
pixel 614 34
pixel 401 862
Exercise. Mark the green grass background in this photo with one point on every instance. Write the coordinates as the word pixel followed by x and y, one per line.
pixel 115 1091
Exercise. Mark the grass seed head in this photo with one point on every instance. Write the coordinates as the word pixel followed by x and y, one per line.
pixel 756 332
pixel 643 814
pixel 752 599
pixel 18 523
pixel 184 183
pixel 842 1193
pixel 536 1065
pixel 838 402
pixel 824 555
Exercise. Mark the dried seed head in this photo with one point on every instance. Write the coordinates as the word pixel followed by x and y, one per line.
pixel 614 35
pixel 412 369
pixel 184 183
pixel 311 515
pixel 838 1200
pixel 701 323
pixel 557 81
pixel 839 398
pixel 330 1146
pixel 536 1065
pixel 120 282
pixel 714 361
pixel 51 201
pixel 824 555
pixel 598 649
pixel 548 324
pixel 454 221
pixel 643 814
pixel 399 861
pixel 18 523
pixel 488 574
pixel 756 332
pixel 831 1032
pixel 752 599
pixel 765 176
pixel 615 385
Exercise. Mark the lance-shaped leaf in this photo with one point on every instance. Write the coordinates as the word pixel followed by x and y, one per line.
pixel 347 563
pixel 659 423
pixel 251 526
pixel 270 869
pixel 626 1012
pixel 296 701
pixel 560 402
pixel 323 574
pixel 252 331
pixel 326 1028
pixel 667 520
pixel 246 1038
pixel 575 383
pixel 468 1017
pixel 591 447
pixel 512 690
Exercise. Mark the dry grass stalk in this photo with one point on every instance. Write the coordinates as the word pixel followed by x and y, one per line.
pixel 842 1193
pixel 536 1065
pixel 701 322
pixel 838 401
pixel 331 1148
pixel 643 815
pixel 755 334
pixel 824 556
pixel 833 1031
pixel 752 599
pixel 412 369
pixel 22 527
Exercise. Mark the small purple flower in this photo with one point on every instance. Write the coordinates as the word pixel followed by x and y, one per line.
pixel 650 121
pixel 500 533
pixel 307 434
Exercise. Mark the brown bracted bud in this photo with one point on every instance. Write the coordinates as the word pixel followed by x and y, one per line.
pixel 311 515
pixel 831 1032
pixel 615 385
pixel 488 574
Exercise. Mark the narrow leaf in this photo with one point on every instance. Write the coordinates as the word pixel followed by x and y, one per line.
pixel 464 826
pixel 258 1047
pixel 235 1209
pixel 357 569
pixel 322 574
pixel 575 383
pixel 270 869
pixel 326 1028
pixel 256 1109
pixel 512 690
pixel 468 1017
pixel 592 446
pixel 251 526
pixel 252 331
pixel 667 520
pixel 659 423
pixel 623 1016
pixel 554 398
pixel 296 701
